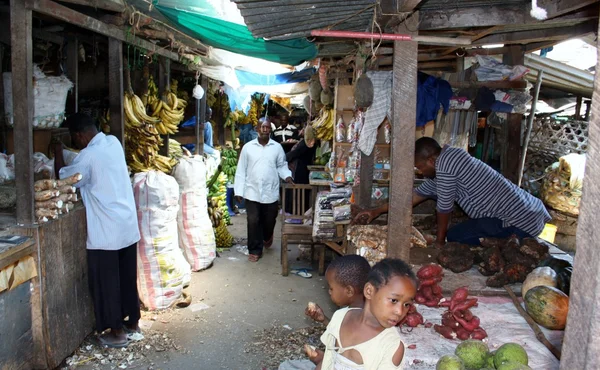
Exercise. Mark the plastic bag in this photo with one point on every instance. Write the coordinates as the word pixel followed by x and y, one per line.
pixel 7 170
pixel 492 70
pixel 351 131
pixel 388 132
pixel 340 131
pixel 342 214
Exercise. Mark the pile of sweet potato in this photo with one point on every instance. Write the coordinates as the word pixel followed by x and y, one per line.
pixel 458 321
pixel 429 292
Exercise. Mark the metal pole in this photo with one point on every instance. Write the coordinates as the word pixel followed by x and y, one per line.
pixel 536 94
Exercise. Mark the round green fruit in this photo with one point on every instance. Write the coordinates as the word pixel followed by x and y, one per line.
pixel 473 354
pixel 449 362
pixel 510 352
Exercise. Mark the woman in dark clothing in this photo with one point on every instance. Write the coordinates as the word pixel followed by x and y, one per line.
pixel 301 156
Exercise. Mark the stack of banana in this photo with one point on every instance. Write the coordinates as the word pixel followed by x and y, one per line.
pixel 104 121
pixel 323 124
pixel 142 140
pixel 175 151
pixel 229 163
pixel 223 239
pixel 168 111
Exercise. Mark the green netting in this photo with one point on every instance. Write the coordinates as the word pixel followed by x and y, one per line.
pixel 237 38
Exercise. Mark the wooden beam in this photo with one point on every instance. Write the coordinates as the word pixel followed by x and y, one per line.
pixel 500 15
pixel 526 37
pixel 557 8
pixel 116 88
pixel 72 72
pixel 22 98
pixel 581 342
pixel 71 16
pixel 164 84
pixel 513 145
pixel 404 110
pixel 110 5
pixel 201 117
pixel 514 56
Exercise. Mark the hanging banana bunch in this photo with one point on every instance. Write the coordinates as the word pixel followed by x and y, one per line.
pixel 323 124
pixel 104 121
pixel 169 111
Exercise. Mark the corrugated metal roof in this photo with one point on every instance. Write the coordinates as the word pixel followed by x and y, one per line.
pixel 286 19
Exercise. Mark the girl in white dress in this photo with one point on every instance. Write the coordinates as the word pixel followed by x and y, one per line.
pixel 367 338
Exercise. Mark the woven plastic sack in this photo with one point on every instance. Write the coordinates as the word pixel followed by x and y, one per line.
pixel 196 235
pixel 162 269
pixel 49 99
pixel 562 185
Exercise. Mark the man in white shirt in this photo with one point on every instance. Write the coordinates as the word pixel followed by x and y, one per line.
pixel 112 229
pixel 262 162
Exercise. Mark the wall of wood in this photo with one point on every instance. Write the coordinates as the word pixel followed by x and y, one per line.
pixel 16 341
pixel 67 310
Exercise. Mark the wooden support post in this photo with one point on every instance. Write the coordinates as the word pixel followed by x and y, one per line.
pixel 588 104
pixel 513 147
pixel 460 64
pixel 404 109
pixel 22 97
pixel 578 108
pixel 531 118
pixel 72 65
pixel 581 344
pixel 116 88
pixel 201 117
pixel 164 84
pixel 514 56
pixel 365 190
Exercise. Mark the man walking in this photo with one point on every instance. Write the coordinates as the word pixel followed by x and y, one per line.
pixel 262 162
pixel 112 229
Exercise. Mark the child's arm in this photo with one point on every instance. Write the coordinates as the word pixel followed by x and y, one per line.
pixel 314 355
pixel 399 355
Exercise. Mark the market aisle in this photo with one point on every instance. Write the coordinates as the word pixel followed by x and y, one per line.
pixel 243 299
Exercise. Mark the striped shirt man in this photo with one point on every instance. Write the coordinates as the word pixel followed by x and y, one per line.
pixel 482 192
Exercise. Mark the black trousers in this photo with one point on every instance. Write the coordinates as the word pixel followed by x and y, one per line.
pixel 113 284
pixel 261 223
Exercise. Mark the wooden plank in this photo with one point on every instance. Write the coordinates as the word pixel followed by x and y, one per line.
pixel 22 90
pixel 498 15
pixel 71 16
pixel 404 110
pixel 513 158
pixel 164 84
pixel 493 85
pixel 367 163
pixel 525 37
pixel 15 253
pixel 201 117
pixel 581 343
pixel 110 5
pixel 116 88
pixel 72 73
pixel 515 55
pixel 15 326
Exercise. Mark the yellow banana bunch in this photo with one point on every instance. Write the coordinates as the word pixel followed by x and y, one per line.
pixel 175 151
pixel 323 124
pixel 104 121
pixel 168 113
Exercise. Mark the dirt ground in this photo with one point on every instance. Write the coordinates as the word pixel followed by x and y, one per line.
pixel 241 316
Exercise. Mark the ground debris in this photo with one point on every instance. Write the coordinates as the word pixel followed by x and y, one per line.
pixel 90 353
pixel 278 344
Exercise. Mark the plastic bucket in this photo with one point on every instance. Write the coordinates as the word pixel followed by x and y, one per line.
pixel 549 233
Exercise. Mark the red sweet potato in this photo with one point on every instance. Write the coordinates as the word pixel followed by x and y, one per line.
pixel 479 334
pixel 431 303
pixel 449 321
pixel 462 334
pixel 471 302
pixel 429 282
pixel 459 295
pixel 444 304
pixel 468 325
pixel 414 319
pixel 419 298
pixel 467 315
pixel 412 308
pixel 445 331
pixel 428 324
pixel 429 271
pixel 427 292
pixel 436 289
